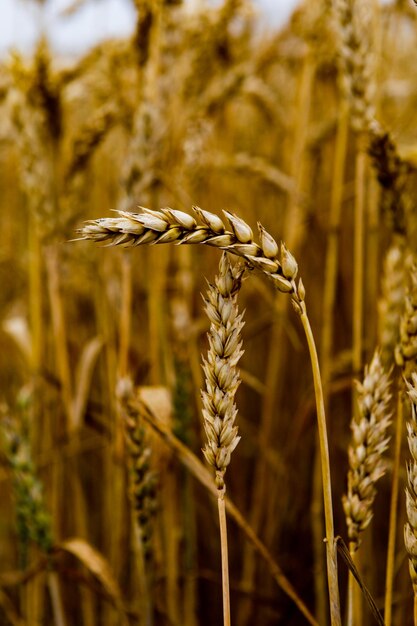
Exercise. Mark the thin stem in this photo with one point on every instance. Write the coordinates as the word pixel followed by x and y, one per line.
pixel 326 347
pixel 354 612
pixel 415 609
pixel 56 600
pixel 125 315
pixel 331 554
pixel 389 581
pixel 60 333
pixel 358 257
pixel 225 558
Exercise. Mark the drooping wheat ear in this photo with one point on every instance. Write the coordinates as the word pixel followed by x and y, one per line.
pixel 143 481
pixel 353 25
pixel 172 226
pixel 406 351
pixel 221 376
pixel 391 302
pixel 369 442
pixel 410 528
pixel 33 520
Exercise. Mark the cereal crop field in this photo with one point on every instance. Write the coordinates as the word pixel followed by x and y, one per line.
pixel 208 321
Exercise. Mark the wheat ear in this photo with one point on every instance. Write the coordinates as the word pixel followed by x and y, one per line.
pixel 33 520
pixel 222 380
pixel 410 528
pixel 369 442
pixel 143 491
pixel 168 225
pixel 173 226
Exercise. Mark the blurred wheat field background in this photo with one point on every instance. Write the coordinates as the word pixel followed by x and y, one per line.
pixel 108 507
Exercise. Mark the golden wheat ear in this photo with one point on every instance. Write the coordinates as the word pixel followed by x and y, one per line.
pixel 367 465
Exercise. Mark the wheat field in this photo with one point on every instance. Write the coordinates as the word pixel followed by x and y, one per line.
pixel 208 321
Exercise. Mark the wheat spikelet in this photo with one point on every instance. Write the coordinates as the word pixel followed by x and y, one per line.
pixel 410 529
pixel 172 226
pixel 369 442
pixel 222 378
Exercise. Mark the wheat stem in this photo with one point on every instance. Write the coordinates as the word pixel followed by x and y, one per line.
pixel 331 553
pixel 225 558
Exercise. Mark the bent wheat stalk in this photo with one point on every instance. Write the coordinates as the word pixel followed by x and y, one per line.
pixel 172 226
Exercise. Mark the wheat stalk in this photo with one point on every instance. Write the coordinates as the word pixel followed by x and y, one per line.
pixel 222 380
